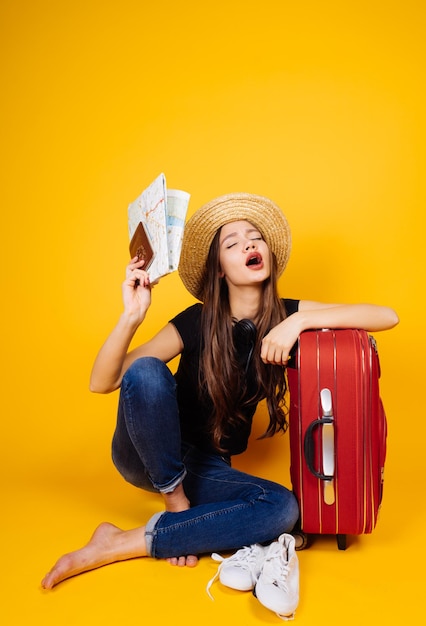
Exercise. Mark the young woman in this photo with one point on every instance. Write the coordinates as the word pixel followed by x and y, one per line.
pixel 176 435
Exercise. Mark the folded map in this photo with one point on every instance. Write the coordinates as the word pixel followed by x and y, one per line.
pixel 162 212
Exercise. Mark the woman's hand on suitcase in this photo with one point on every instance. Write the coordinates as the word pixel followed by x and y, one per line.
pixel 276 345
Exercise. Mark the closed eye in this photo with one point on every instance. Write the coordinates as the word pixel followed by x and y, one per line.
pixel 231 245
pixel 255 236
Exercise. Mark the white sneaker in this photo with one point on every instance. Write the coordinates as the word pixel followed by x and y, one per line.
pixel 278 585
pixel 241 570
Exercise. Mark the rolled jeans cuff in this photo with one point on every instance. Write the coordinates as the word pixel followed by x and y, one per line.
pixel 149 531
pixel 173 484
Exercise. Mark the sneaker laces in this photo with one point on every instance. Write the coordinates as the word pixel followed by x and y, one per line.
pixel 244 558
pixel 276 566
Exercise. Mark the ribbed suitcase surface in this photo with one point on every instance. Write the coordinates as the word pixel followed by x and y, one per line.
pixel 337 432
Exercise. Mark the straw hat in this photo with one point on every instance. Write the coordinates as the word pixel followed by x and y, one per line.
pixel 202 226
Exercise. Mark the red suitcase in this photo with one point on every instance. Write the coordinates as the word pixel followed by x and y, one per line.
pixel 337 432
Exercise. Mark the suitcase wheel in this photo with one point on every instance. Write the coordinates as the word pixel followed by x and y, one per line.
pixel 341 542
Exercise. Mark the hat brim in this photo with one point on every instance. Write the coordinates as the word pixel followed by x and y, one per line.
pixel 202 226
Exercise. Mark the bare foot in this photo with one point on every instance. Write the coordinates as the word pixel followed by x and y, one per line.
pixel 176 501
pixel 107 545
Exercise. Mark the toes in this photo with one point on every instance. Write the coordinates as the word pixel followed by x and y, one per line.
pixel 189 561
pixel 45 583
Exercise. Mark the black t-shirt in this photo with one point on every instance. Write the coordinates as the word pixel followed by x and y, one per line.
pixel 195 411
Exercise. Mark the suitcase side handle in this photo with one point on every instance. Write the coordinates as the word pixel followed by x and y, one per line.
pixel 309 448
pixel 327 424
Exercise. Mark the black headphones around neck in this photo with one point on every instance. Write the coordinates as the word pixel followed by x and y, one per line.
pixel 244 332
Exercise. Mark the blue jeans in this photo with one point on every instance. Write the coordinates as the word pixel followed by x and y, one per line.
pixel 229 508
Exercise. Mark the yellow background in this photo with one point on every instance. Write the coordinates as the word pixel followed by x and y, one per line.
pixel 319 105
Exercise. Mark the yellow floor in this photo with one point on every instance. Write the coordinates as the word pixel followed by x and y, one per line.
pixel 378 579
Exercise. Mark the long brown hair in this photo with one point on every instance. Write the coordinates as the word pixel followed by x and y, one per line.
pixel 221 375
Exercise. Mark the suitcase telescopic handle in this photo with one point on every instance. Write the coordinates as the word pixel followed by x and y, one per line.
pixel 326 422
